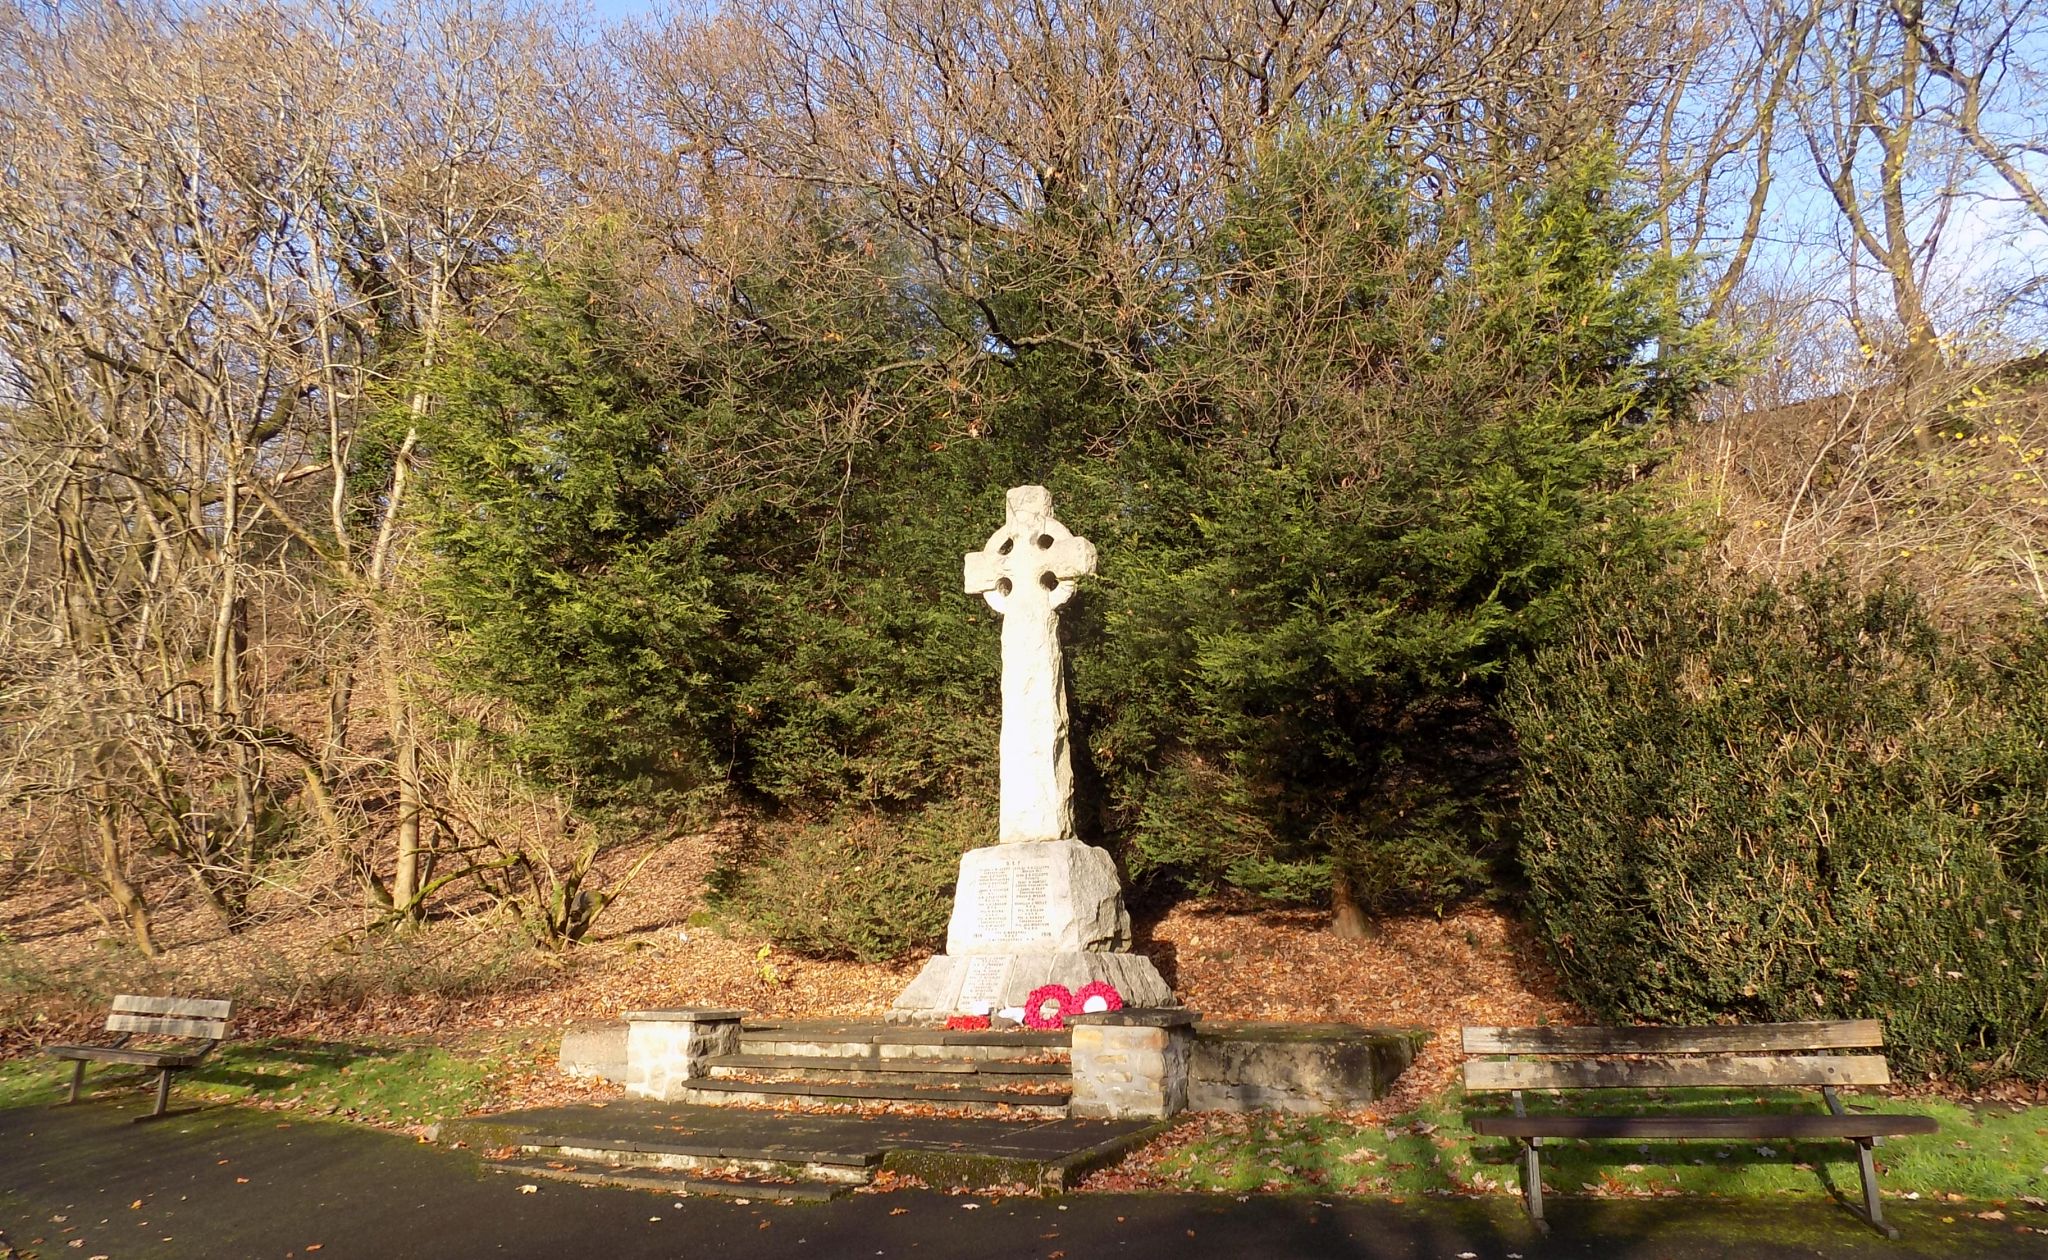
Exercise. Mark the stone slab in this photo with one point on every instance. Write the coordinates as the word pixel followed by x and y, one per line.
pixel 861 1033
pixel 670 1181
pixel 1138 1017
pixel 729 1132
pixel 936 992
pixel 1043 896
pixel 686 1014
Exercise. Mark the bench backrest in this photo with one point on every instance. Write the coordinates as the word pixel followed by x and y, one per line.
pixel 1669 1058
pixel 204 1019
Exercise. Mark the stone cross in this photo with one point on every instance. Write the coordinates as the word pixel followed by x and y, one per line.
pixel 1025 572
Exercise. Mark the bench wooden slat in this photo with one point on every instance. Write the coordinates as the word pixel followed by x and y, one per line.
pixel 184 1008
pixel 1669 1073
pixel 119 1054
pixel 165 1026
pixel 200 1019
pixel 1848 1034
pixel 1725 1128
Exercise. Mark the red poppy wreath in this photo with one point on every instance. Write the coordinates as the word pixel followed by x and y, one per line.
pixel 1048 1007
pixel 1111 1000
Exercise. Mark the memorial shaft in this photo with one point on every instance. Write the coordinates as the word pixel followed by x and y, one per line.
pixel 1037 790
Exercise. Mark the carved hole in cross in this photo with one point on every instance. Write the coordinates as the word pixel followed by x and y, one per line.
pixel 1004 550
pixel 1048 581
pixel 1045 542
pixel 1003 585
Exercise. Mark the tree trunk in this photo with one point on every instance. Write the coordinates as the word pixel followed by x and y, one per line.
pixel 126 896
pixel 1347 918
pixel 341 688
pixel 345 851
pixel 405 759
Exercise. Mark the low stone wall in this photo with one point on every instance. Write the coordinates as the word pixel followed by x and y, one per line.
pixel 665 1050
pixel 1295 1067
pixel 595 1051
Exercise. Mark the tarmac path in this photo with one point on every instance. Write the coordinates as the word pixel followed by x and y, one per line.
pixel 231 1183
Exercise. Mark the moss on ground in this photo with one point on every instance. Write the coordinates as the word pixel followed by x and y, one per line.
pixel 1981 1154
pixel 387 1083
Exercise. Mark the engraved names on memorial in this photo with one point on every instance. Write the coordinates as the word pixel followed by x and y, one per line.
pixel 987 974
pixel 1011 901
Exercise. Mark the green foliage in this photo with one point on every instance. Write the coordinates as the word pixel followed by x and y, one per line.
pixel 1805 805
pixel 857 886
pixel 1440 427
pixel 1337 488
pixel 650 552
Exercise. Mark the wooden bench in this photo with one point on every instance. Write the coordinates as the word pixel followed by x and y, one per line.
pixel 203 1021
pixel 1733 1056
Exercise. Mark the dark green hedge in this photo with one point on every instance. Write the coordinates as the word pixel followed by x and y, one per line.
pixel 1792 805
pixel 1348 478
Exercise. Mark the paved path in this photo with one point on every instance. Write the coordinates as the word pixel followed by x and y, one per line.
pixel 228 1183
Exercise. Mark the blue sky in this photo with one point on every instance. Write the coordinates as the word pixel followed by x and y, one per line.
pixel 613 10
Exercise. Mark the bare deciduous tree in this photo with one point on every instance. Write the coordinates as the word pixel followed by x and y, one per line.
pixel 233 259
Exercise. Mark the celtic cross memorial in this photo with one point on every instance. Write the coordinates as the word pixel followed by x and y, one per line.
pixel 1039 906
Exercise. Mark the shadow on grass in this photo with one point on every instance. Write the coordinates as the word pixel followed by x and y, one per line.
pixel 1432 1151
pixel 394 1084
pixel 242 1064
pixel 1632 1167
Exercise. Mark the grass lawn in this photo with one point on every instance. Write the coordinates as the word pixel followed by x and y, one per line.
pixel 394 1083
pixel 1988 1154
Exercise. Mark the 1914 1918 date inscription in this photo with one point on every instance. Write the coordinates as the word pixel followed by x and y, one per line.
pixel 1013 901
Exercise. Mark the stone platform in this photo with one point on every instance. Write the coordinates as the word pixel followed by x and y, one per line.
pixel 1229 1066
pixel 683 1148
pixel 950 983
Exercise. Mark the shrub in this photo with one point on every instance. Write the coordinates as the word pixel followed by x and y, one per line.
pixel 1803 804
pixel 865 886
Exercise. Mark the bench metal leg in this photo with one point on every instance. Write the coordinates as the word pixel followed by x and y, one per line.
pixel 163 1094
pixel 77 1080
pixel 1532 1181
pixel 1867 1164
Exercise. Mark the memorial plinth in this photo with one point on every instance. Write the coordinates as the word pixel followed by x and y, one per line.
pixel 1039 907
pixel 1029 914
pixel 1055 895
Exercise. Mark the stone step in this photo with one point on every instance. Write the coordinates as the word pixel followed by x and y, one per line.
pixel 893 1035
pixel 1046 1049
pixel 894 1075
pixel 777 1163
pixel 946 1148
pixel 668 1180
pixel 717 1090
pixel 862 1067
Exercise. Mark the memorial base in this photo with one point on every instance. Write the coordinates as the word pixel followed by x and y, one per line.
pixel 949 984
